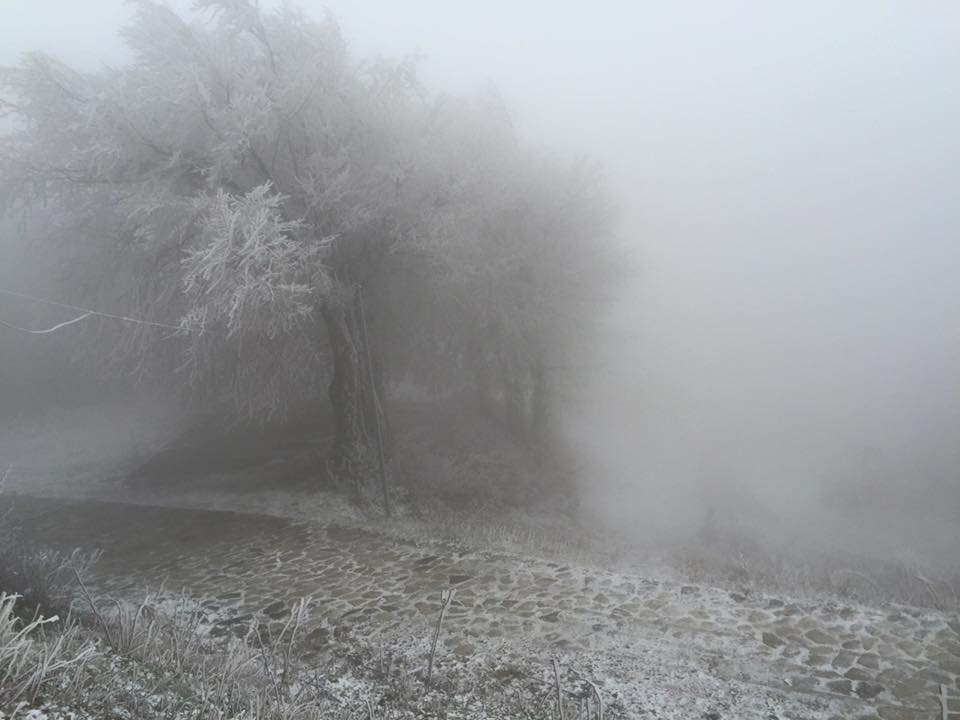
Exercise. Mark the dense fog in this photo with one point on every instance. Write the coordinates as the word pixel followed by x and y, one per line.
pixel 786 178
pixel 793 324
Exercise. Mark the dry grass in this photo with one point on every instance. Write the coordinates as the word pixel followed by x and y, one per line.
pixel 39 655
pixel 150 660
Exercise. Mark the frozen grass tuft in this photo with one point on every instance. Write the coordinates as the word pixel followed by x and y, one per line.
pixel 39 655
pixel 156 659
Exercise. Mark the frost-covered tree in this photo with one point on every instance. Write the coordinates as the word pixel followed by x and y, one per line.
pixel 248 180
pixel 239 177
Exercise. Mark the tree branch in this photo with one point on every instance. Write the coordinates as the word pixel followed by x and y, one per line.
pixel 48 330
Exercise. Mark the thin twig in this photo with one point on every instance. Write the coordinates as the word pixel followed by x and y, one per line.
pixel 556 675
pixel 48 330
pixel 297 614
pixel 445 597
pixel 93 606
pixel 266 665
pixel 88 311
pixel 540 681
pixel 596 693
pixel 929 586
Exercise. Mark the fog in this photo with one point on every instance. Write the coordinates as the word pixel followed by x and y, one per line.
pixel 787 176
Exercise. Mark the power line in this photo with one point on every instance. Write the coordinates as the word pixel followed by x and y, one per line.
pixel 88 312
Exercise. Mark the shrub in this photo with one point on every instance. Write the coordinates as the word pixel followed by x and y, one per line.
pixel 42 578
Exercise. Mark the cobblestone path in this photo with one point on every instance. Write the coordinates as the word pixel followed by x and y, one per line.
pixel 858 662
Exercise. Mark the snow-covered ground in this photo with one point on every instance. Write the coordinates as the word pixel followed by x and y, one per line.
pixel 659 638
pixel 655 644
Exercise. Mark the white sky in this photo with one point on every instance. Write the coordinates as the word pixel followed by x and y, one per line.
pixel 789 171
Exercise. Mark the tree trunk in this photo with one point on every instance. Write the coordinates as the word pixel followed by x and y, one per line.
pixel 356 402
pixel 351 441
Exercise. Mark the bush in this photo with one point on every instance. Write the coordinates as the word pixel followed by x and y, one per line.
pixel 44 579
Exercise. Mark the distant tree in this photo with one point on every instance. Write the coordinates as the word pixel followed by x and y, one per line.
pixel 518 288
pixel 555 270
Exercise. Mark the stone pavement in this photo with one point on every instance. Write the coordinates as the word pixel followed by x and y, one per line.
pixel 874 662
